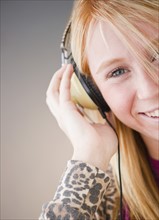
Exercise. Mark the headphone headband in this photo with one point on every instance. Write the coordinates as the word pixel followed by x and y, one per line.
pixel 86 81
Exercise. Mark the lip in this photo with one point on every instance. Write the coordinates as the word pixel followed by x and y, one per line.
pixel 151 120
pixel 152 110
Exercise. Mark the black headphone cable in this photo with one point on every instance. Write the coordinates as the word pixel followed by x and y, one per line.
pixel 119 163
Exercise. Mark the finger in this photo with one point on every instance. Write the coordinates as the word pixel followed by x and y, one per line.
pixel 66 84
pixel 53 107
pixel 55 81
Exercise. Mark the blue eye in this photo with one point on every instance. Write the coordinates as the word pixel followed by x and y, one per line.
pixel 118 72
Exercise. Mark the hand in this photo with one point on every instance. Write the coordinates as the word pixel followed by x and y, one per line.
pixel 93 143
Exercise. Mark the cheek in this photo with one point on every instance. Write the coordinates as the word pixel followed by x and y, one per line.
pixel 120 101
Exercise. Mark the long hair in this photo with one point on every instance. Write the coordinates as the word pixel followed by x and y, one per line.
pixel 140 191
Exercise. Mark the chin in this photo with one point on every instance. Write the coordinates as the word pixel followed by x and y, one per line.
pixel 153 136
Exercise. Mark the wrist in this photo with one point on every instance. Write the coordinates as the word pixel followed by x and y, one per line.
pixel 99 161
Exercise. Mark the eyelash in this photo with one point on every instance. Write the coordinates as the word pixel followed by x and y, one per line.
pixel 118 71
pixel 124 70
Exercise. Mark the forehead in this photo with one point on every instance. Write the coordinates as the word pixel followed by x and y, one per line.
pixel 105 42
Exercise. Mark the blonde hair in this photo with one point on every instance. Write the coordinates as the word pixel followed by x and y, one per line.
pixel 140 191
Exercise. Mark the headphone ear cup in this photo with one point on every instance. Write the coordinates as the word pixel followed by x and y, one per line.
pixel 93 91
pixel 79 94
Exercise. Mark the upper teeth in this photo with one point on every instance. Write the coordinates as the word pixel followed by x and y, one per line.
pixel 153 114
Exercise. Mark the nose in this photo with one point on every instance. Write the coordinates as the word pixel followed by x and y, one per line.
pixel 146 86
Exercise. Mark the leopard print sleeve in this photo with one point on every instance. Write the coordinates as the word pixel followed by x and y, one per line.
pixel 79 194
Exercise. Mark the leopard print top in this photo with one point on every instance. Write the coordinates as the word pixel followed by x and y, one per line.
pixel 84 193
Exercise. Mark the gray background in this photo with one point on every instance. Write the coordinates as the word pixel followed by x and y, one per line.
pixel 34 151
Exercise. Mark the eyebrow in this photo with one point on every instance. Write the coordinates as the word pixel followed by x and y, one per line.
pixel 108 63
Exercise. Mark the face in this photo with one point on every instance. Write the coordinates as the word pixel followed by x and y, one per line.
pixel 129 91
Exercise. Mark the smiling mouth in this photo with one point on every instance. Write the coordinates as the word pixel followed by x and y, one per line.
pixel 152 114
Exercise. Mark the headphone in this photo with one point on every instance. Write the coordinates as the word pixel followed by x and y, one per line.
pixel 84 91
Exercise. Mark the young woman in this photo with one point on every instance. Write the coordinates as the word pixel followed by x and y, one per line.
pixel 116 43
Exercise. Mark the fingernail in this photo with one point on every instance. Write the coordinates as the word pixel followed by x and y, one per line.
pixel 64 65
pixel 69 66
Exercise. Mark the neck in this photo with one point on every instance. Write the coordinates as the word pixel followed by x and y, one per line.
pixel 152 147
